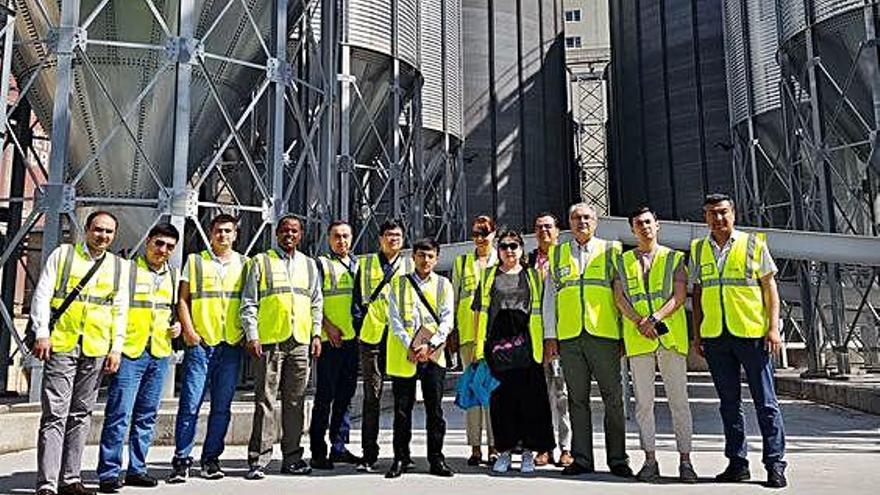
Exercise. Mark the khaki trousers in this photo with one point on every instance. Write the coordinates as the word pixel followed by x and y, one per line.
pixel 476 416
pixel 673 372
pixel 283 366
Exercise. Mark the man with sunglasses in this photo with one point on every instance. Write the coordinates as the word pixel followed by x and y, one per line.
pixel 582 326
pixel 375 272
pixel 136 390
pixel 467 271
pixel 547 234
pixel 79 330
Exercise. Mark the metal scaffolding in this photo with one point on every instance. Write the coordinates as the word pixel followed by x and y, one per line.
pixel 587 90
pixel 816 174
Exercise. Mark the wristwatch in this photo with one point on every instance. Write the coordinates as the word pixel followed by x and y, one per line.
pixel 653 319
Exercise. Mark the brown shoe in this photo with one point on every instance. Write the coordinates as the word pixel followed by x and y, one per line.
pixel 565 459
pixel 542 459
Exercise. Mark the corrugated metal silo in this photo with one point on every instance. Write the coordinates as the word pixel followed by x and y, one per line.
pixel 669 126
pixel 517 152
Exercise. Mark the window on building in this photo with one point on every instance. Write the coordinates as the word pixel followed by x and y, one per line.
pixel 573 15
pixel 572 41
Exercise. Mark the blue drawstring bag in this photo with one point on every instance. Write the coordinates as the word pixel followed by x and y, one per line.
pixel 475 386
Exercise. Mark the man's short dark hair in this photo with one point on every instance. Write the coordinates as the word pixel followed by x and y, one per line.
pixel 426 244
pixel 391 224
pixel 640 211
pixel 164 229
pixel 548 214
pixel 715 198
pixel 337 223
pixel 98 213
pixel 289 216
pixel 222 218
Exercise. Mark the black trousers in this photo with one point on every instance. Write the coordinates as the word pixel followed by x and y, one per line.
pixel 404 389
pixel 372 371
pixel 337 382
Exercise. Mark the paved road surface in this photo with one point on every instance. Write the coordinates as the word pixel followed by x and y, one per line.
pixel 829 450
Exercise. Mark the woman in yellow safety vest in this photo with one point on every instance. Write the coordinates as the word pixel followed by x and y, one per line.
pixel 510 337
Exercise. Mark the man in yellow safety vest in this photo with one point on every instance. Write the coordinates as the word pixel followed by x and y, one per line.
pixel 736 322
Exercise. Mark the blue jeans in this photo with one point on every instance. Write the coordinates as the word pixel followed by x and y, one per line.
pixel 337 381
pixel 725 355
pixel 206 370
pixel 133 398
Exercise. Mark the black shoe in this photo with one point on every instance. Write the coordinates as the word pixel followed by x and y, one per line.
pixel 211 470
pixel 395 470
pixel 179 469
pixel 345 457
pixel 110 485
pixel 776 478
pixel 142 480
pixel 298 468
pixel 321 463
pixel 365 466
pixel 575 469
pixel 474 460
pixel 733 474
pixel 439 468
pixel 76 489
pixel 408 464
pixel 44 491
pixel 622 470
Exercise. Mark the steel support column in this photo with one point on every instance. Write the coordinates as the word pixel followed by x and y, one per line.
pixel 278 75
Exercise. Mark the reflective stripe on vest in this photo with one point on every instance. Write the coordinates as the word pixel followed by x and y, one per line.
pixel 91 314
pixel 732 298
pixel 338 288
pixel 465 277
pixel 585 299
pixel 285 307
pixel 408 302
pixel 376 318
pixel 647 300
pixel 149 312
pixel 215 299
pixel 536 321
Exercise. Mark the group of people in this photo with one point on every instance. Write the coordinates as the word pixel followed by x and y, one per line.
pixel 545 324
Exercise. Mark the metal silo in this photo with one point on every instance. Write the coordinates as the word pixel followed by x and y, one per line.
pixel 669 126
pixel 517 156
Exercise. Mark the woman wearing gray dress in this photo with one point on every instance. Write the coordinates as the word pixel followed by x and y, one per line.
pixel 510 338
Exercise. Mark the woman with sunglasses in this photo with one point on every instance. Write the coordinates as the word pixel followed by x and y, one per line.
pixel 510 338
pixel 466 273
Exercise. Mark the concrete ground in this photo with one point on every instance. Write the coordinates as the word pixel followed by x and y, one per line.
pixel 829 449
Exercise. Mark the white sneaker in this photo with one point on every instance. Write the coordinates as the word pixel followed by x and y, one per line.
pixel 502 464
pixel 528 462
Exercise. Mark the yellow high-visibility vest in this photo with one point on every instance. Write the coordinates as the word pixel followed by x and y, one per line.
pixel 466 275
pixel 285 307
pixel 215 299
pixel 536 322
pixel 149 311
pixel 585 299
pixel 91 314
pixel 646 300
pixel 338 293
pixel 376 319
pixel 396 362
pixel 732 298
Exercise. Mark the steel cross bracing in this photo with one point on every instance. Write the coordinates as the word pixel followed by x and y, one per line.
pixel 259 181
pixel 588 93
pixel 825 179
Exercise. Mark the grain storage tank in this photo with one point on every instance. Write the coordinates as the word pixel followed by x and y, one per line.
pixel 518 155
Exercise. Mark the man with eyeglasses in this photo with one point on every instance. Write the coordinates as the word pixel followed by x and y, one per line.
pixel 79 312
pixel 547 234
pixel 136 390
pixel 375 272
pixel 582 326
pixel 467 271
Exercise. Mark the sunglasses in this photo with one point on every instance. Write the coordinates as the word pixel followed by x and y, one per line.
pixel 481 233
pixel 159 243
pixel 508 245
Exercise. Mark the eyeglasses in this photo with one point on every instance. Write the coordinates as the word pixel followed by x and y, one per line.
pixel 508 245
pixel 159 243
pixel 481 233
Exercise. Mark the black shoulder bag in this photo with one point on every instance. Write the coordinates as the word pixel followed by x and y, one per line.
pixel 59 311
